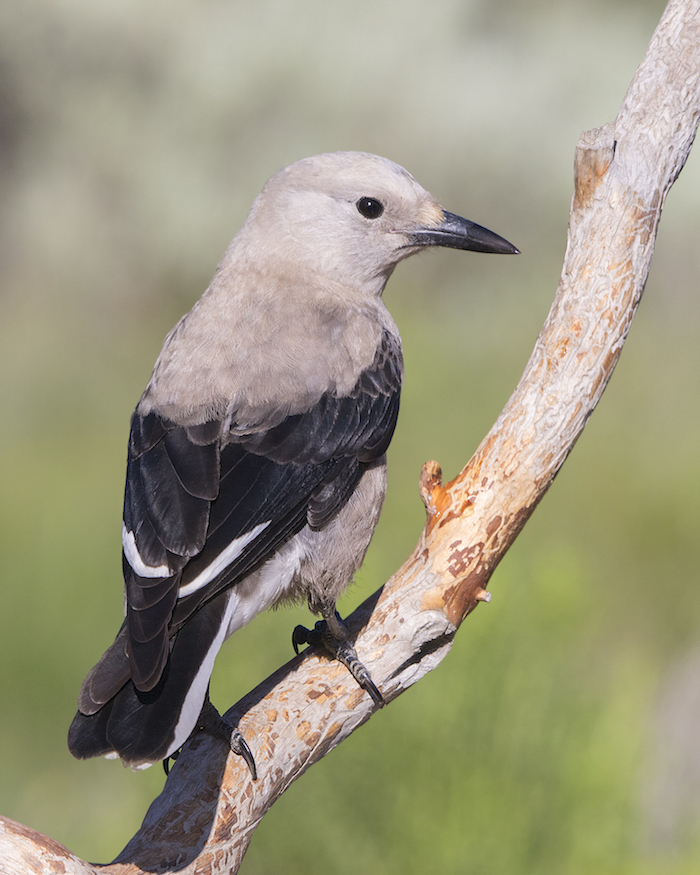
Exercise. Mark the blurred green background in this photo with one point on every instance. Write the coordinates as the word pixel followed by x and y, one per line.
pixel 561 733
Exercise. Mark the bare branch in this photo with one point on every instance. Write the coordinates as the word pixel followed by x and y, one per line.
pixel 24 851
pixel 205 817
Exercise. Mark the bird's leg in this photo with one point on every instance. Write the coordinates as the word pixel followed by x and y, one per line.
pixel 211 722
pixel 332 634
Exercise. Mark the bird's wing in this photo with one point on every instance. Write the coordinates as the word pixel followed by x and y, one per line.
pixel 202 509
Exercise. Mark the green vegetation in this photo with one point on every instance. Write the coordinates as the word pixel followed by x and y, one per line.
pixel 560 735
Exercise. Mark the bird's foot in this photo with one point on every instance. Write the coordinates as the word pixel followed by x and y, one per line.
pixel 333 636
pixel 166 762
pixel 211 722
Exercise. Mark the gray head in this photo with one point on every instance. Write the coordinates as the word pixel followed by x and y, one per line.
pixel 296 300
pixel 353 216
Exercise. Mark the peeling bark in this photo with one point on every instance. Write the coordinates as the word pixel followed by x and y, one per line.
pixel 203 820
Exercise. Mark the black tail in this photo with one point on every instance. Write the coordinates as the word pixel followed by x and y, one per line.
pixel 115 717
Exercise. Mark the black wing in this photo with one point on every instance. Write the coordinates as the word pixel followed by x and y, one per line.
pixel 202 508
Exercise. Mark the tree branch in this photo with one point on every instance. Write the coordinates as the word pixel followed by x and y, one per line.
pixel 205 816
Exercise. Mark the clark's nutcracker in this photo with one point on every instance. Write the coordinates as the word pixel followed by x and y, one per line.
pixel 256 465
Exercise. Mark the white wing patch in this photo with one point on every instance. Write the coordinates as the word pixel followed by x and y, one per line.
pixel 225 558
pixel 133 557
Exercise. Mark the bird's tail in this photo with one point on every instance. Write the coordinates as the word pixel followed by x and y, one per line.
pixel 115 718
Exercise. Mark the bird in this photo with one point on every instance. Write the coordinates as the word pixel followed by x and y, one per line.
pixel 256 466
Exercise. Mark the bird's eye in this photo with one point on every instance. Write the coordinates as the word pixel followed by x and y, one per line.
pixel 370 207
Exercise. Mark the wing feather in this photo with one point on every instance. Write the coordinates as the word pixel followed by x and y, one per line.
pixel 198 472
pixel 178 517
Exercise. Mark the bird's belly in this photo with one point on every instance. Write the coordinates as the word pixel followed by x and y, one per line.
pixel 265 587
pixel 316 565
pixel 331 555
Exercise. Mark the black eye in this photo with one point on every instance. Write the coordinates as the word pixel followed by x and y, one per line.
pixel 370 207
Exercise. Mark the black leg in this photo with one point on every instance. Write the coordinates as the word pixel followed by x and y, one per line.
pixel 211 722
pixel 331 634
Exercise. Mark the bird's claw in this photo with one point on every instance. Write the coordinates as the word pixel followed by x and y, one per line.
pixel 239 746
pixel 302 635
pixel 344 652
pixel 211 722
pixel 341 649
pixel 166 762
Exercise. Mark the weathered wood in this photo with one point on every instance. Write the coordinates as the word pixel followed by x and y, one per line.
pixel 24 851
pixel 203 820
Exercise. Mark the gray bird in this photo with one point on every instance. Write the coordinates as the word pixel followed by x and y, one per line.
pixel 256 464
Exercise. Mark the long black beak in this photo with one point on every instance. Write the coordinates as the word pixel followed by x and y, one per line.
pixel 458 233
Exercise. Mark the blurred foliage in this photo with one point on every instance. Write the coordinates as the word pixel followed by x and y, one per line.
pixel 133 138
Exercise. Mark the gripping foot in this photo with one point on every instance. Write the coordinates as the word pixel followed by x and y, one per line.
pixel 211 722
pixel 331 634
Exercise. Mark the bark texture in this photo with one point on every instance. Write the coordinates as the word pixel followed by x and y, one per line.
pixel 203 820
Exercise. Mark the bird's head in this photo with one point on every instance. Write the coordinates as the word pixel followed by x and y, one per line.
pixel 352 217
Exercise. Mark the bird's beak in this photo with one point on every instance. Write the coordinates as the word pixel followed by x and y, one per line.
pixel 458 233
